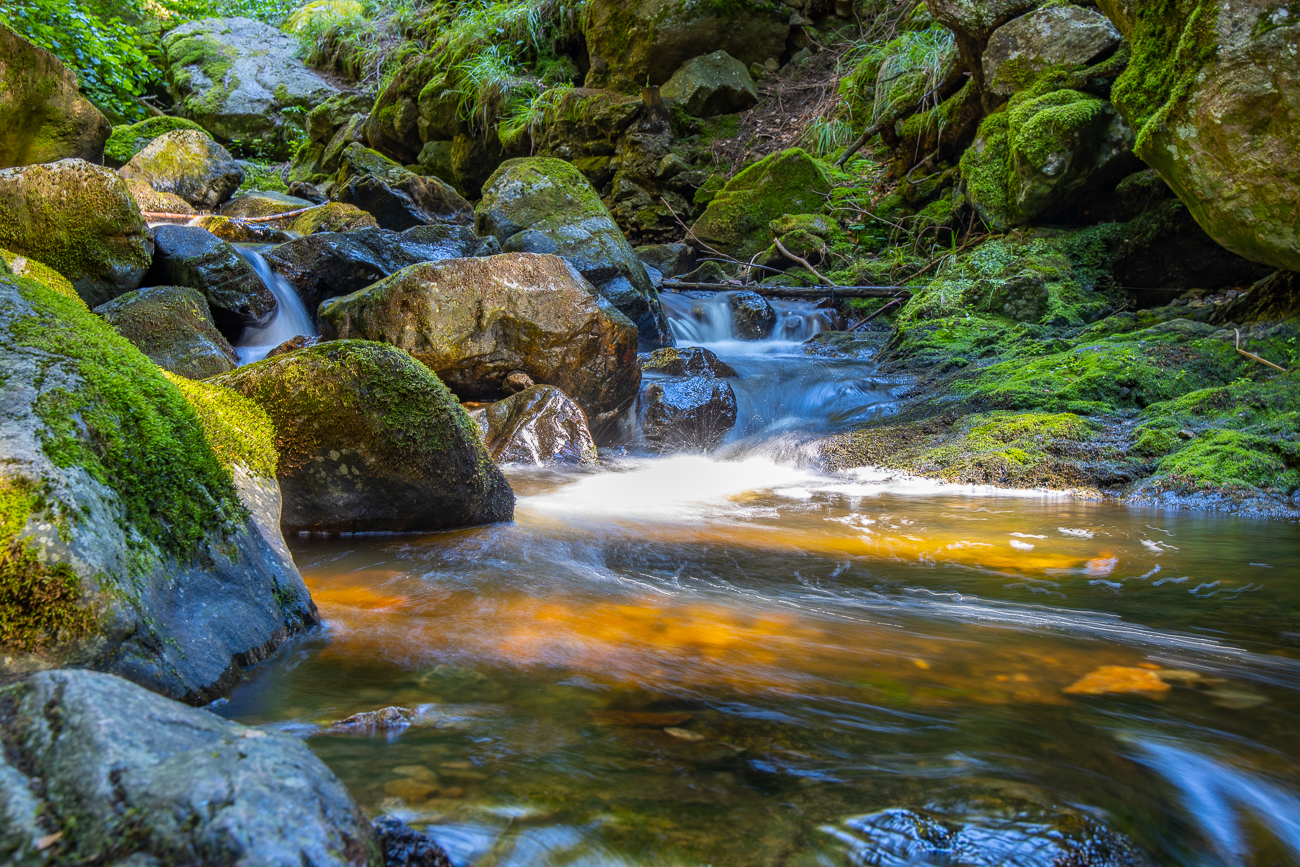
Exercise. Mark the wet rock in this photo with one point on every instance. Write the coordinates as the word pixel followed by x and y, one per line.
pixel 371 721
pixel 753 317
pixel 370 440
pixel 670 260
pixel 694 413
pixel 688 361
pixel 517 382
pixel 1055 35
pixel 194 257
pixel 262 204
pixel 737 220
pixel 399 199
pixel 81 221
pixel 845 344
pixel 403 846
pixel 238 231
pixel 1117 679
pixel 539 425
pixel 46 117
pixel 129 139
pixel 105 770
pixel 235 76
pixel 475 321
pixel 644 41
pixel 293 344
pixel 189 164
pixel 173 327
pixel 329 265
pixel 174 575
pixel 710 85
pixel 544 205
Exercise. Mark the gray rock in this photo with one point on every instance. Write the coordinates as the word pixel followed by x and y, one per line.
pixel 173 327
pixel 399 199
pixel 194 257
pixel 1061 35
pixel 691 414
pixel 714 84
pixel 751 315
pixel 670 260
pixel 973 22
pixel 175 548
pixel 330 264
pixel 539 425
pixel 129 777
pixel 234 75
pixel 544 205
pixel 189 164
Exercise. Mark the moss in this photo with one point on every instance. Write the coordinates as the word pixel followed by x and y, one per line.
pixel 46 276
pixel 332 217
pixel 127 141
pixel 126 425
pixel 239 431
pixel 1228 460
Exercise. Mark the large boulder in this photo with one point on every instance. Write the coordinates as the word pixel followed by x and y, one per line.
pixel 129 139
pixel 81 221
pixel 96 769
pixel 398 198
pixel 1053 36
pixel 973 22
pixel 151 201
pixel 235 76
pixel 173 327
pixel 736 220
pixel 638 42
pixel 714 84
pixel 46 117
pixel 370 440
pixel 1212 93
pixel 194 257
pixel 691 414
pixel 330 264
pixel 1031 160
pixel 545 205
pixel 189 164
pixel 140 523
pixel 476 321
pixel 332 217
pixel 752 318
pixel 539 425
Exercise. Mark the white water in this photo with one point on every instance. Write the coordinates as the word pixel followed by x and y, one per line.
pixel 708 322
pixel 291 317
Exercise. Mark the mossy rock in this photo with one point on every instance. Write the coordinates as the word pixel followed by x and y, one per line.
pixel 151 201
pixel 261 203
pixel 332 217
pixel 737 219
pixel 687 361
pixel 131 545
pixel 189 164
pixel 80 220
pixel 398 198
pixel 22 266
pixel 129 139
pixel 238 231
pixel 370 440
pixel 1054 35
pixel 173 327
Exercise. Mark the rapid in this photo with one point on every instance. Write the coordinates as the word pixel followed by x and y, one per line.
pixel 739 659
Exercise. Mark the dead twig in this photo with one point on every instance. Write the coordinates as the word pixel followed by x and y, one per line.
pixel 1253 357
pixel 861 322
pixel 802 261
pixel 688 231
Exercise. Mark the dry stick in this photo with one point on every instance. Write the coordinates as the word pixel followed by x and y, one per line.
pixel 802 261
pixel 167 216
pixel 858 143
pixel 1254 357
pixel 861 322
pixel 793 291
pixel 164 215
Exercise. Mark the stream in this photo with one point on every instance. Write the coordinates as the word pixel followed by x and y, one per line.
pixel 736 659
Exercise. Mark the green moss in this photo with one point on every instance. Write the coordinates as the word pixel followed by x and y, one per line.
pixel 1228 460
pixel 332 217
pixel 1153 442
pixel 46 276
pixel 127 141
pixel 239 431
pixel 126 426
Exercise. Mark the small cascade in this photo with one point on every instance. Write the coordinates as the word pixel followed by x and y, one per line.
pixel 703 320
pixel 291 316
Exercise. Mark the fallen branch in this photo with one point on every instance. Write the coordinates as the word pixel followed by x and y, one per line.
pixel 795 291
pixel 858 143
pixel 164 215
pixel 713 250
pixel 861 322
pixel 1253 357
pixel 802 261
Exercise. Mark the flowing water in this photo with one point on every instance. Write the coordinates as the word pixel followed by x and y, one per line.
pixel 735 659
pixel 291 316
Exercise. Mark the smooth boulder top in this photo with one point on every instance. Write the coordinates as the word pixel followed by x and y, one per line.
pixel 129 139
pixel 189 164
pixel 173 327
pixel 79 219
pixel 476 321
pixel 714 84
pixel 686 361
pixel 94 768
pixel 371 441
pixel 45 116
pixel 689 414
pixel 1052 36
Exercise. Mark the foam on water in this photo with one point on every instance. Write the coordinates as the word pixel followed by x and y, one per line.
pixel 291 317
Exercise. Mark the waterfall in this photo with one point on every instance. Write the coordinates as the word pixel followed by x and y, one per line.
pixel 707 320
pixel 291 317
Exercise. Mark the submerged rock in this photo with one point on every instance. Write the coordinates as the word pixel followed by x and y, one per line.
pixel 189 164
pixel 403 846
pixel 476 321
pixel 46 117
pixel 329 265
pixel 687 361
pixel 539 425
pixel 710 85
pixel 173 573
pixel 692 414
pixel 96 768
pixel 545 205
pixel 399 199
pixel 371 441
pixel 81 221
pixel 194 257
pixel 173 327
